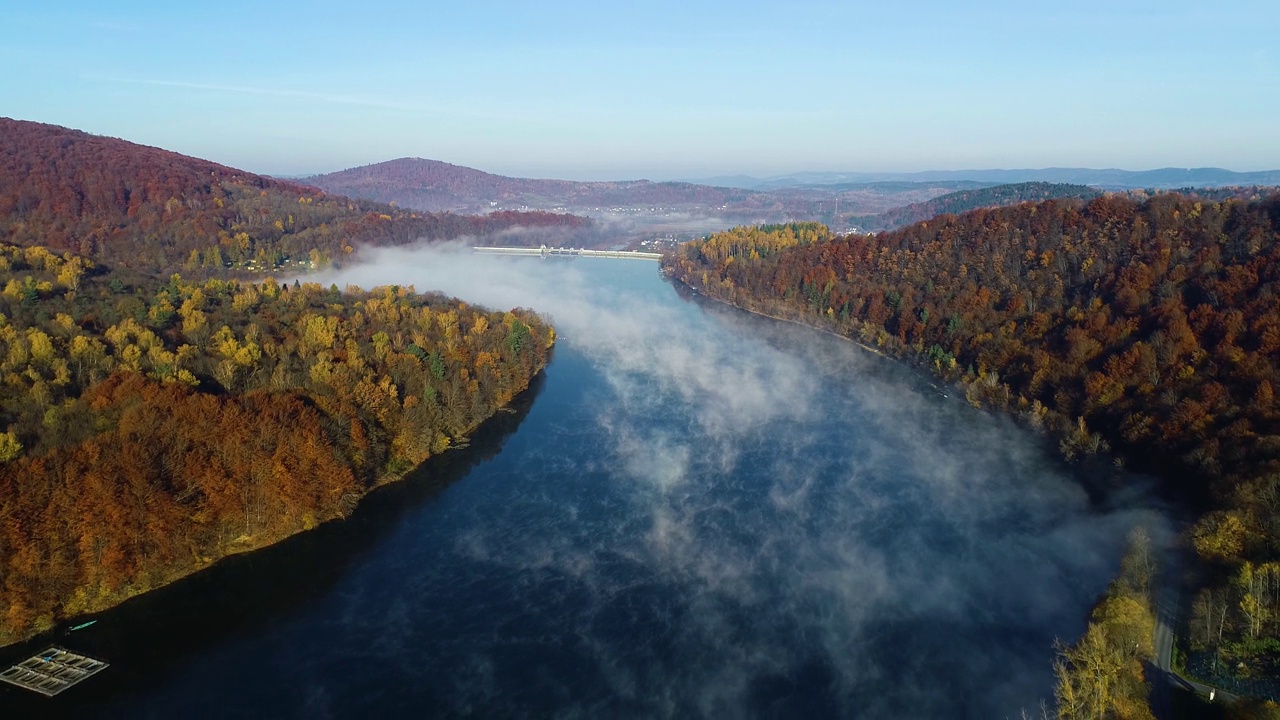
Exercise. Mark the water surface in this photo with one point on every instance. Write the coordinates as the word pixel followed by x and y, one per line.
pixel 696 512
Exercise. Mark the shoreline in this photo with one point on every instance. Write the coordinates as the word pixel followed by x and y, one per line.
pixel 1049 426
pixel 1181 514
pixel 792 321
pixel 237 548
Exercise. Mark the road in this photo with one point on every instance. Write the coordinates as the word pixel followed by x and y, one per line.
pixel 1168 613
pixel 1168 610
pixel 1168 603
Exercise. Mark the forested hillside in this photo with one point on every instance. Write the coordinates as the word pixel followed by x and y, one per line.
pixel 1151 328
pixel 158 211
pixel 149 427
pixel 958 202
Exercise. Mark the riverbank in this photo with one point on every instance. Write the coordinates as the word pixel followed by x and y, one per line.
pixel 81 601
pixel 247 594
pixel 1162 631
pixel 1033 417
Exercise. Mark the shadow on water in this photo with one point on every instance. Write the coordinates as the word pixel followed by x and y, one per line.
pixel 1101 478
pixel 788 335
pixel 150 637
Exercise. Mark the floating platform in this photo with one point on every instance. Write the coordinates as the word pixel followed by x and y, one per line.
pixel 52 671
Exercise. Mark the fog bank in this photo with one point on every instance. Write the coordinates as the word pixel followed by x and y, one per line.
pixel 764 520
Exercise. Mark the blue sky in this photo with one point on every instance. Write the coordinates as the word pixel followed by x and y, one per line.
pixel 661 90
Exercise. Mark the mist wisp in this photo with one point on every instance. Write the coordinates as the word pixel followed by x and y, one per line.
pixel 727 516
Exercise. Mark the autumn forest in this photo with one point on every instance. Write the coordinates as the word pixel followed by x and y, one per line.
pixel 157 414
pixel 1149 328
pixel 154 426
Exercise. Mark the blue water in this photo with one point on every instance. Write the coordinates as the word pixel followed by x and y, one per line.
pixel 694 513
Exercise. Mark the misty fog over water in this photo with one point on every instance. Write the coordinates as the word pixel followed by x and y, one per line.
pixel 703 514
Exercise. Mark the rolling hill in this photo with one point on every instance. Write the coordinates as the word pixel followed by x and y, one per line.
pixel 433 185
pixel 159 211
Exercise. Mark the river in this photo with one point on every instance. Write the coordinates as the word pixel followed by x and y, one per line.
pixel 694 512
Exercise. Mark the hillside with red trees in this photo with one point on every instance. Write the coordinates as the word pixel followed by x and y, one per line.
pixel 149 427
pixel 154 210
pixel 1146 320
pixel 1150 328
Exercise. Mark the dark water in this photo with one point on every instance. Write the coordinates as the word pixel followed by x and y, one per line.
pixel 694 513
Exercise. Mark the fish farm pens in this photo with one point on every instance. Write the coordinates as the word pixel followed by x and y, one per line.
pixel 52 671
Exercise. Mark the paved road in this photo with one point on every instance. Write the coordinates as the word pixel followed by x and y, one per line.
pixel 1167 606
pixel 1168 612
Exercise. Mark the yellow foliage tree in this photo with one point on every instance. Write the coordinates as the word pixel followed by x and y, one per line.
pixel 10 448
pixel 1219 536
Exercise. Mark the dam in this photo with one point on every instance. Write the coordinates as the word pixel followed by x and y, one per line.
pixel 545 251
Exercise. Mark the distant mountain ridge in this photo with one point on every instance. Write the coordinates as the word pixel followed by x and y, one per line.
pixel 632 209
pixel 433 185
pixel 1110 178
pixel 640 208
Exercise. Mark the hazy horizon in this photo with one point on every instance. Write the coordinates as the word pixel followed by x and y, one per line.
pixel 780 175
pixel 775 176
